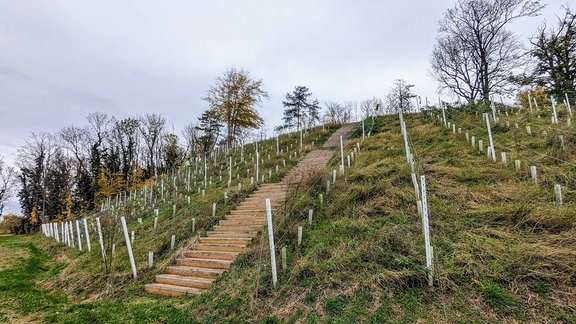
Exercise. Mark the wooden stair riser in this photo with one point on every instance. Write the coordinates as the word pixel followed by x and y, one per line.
pixel 172 291
pixel 261 216
pixel 183 281
pixel 232 234
pixel 221 240
pixel 219 247
pixel 204 263
pixel 238 229
pixel 241 222
pixel 219 255
pixel 194 272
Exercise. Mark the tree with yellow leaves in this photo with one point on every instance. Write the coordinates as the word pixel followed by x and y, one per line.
pixel 135 182
pixel 539 94
pixel 233 98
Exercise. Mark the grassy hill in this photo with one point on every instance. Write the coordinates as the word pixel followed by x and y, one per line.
pixel 504 249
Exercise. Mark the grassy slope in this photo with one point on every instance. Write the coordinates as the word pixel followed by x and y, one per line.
pixel 109 294
pixel 503 250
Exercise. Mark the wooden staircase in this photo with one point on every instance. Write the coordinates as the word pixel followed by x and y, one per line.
pixel 214 254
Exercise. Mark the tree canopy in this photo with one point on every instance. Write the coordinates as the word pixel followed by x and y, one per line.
pixel 555 52
pixel 475 55
pixel 233 100
pixel 300 112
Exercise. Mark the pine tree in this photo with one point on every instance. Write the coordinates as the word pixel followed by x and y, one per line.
pixel 300 112
pixel 210 126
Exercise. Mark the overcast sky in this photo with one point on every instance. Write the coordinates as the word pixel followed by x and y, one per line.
pixel 61 60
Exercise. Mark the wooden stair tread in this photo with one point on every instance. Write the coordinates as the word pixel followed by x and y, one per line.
pixel 188 278
pixel 172 290
pixel 196 269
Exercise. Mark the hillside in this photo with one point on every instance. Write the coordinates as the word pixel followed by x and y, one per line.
pixel 504 248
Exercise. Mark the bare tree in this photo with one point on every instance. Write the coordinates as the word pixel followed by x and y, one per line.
pixel 34 160
pixel 369 107
pixel 7 177
pixel 337 112
pixel 190 135
pixel 475 56
pixel 76 141
pixel 125 136
pixel 152 128
pixel 400 97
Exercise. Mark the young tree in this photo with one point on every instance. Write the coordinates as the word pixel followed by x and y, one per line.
pixel 555 53
pixel 232 100
pixel 475 55
pixel 400 97
pixel 300 112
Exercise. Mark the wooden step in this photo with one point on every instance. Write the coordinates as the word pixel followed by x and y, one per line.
pixel 204 263
pixel 251 209
pixel 275 198
pixel 238 229
pixel 241 222
pixel 218 255
pixel 219 247
pixel 261 216
pixel 248 212
pixel 194 271
pixel 171 290
pixel 223 240
pixel 268 194
pixel 231 234
pixel 184 281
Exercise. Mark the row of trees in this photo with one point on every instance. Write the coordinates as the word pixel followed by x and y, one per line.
pixel 72 171
pixel 301 111
pixel 76 168
pixel 475 56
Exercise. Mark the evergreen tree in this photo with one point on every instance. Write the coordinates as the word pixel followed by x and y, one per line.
pixel 300 112
pixel 209 125
pixel 555 53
